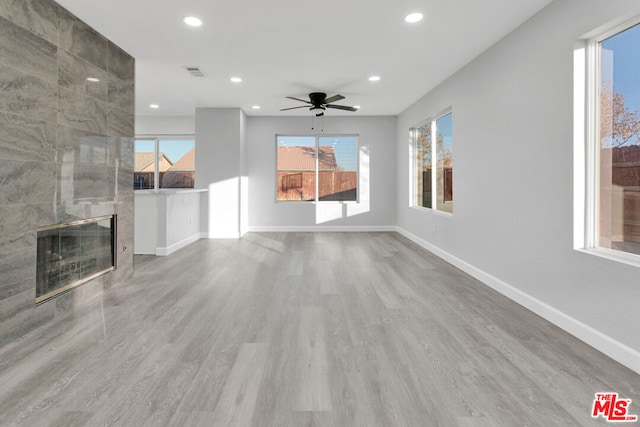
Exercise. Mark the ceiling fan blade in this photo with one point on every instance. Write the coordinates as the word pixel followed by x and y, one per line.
pixel 293 108
pixel 298 99
pixel 333 98
pixel 342 107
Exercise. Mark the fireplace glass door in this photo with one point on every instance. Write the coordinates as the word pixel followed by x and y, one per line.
pixel 73 253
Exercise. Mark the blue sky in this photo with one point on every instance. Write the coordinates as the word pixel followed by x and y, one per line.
pixel 174 150
pixel 625 48
pixel 444 127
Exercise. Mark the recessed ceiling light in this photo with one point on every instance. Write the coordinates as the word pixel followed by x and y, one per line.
pixel 235 79
pixel 413 17
pixel 93 79
pixel 374 78
pixel 256 107
pixel 154 106
pixel 192 21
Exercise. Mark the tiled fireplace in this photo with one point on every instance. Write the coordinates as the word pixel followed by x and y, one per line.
pixel 66 157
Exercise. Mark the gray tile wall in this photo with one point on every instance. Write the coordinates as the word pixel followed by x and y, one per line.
pixel 66 150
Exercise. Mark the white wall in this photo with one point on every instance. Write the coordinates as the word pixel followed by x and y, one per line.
pixel 513 145
pixel 145 236
pixel 375 209
pixel 165 125
pixel 219 146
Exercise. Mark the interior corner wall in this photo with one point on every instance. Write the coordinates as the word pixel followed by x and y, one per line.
pixel 377 175
pixel 66 151
pixel 244 177
pixel 513 147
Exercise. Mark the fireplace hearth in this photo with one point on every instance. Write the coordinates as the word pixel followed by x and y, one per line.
pixel 72 253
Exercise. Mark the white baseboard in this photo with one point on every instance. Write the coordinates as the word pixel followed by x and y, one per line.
pixel 179 245
pixel 322 228
pixel 604 343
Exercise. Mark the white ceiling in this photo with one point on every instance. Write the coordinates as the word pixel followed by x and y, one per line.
pixel 292 47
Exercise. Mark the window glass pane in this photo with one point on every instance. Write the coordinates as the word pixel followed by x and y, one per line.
pixel 144 164
pixel 619 195
pixel 176 163
pixel 337 168
pixel 444 159
pixel 423 150
pixel 296 168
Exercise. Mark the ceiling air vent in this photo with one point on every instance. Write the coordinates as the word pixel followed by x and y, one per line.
pixel 194 70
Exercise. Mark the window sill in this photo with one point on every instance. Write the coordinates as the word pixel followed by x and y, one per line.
pixel 164 191
pixel 320 202
pixel 433 211
pixel 613 255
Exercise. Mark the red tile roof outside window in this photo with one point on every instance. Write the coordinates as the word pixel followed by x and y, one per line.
pixel 301 158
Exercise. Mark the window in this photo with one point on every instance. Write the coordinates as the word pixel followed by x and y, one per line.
pixel 311 168
pixel 164 163
pixel 615 146
pixel 433 186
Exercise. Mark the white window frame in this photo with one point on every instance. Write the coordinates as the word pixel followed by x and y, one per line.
pixel 317 138
pixel 592 147
pixel 413 197
pixel 156 150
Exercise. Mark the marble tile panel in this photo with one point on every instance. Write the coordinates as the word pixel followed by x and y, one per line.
pixel 80 297
pixel 37 16
pixel 17 229
pixel 22 138
pixel 125 187
pixel 10 289
pixel 107 207
pixel 81 40
pixel 124 151
pixel 121 94
pixel 15 267
pixel 25 51
pixel 125 212
pixel 73 183
pixel 105 188
pixel 81 112
pixel 27 95
pixel 120 123
pixel 72 211
pixel 125 184
pixel 14 304
pixel 27 182
pixel 121 64
pixel 26 320
pixel 81 146
pixel 73 73
pixel 126 192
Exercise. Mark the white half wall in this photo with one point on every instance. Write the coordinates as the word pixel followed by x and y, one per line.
pixel 166 221
pixel 513 156
pixel 377 175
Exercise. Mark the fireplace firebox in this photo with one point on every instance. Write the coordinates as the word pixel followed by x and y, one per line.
pixel 72 253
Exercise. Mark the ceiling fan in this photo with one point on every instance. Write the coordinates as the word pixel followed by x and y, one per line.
pixel 318 102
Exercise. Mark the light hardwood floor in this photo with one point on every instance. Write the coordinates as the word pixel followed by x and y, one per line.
pixel 304 329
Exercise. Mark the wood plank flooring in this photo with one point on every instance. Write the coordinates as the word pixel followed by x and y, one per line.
pixel 304 329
